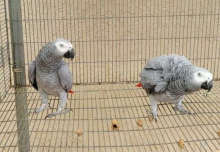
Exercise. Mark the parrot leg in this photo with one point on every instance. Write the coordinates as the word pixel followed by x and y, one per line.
pixel 180 108
pixel 58 113
pixel 45 105
pixel 62 104
pixel 153 103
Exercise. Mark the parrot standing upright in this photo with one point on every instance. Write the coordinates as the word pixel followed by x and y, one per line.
pixel 50 75
pixel 169 78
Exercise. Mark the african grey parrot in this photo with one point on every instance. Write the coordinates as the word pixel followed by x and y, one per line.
pixel 50 75
pixel 169 78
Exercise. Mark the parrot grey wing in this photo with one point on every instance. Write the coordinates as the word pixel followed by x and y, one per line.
pixel 167 63
pixel 156 74
pixel 32 74
pixel 159 70
pixel 152 81
pixel 65 76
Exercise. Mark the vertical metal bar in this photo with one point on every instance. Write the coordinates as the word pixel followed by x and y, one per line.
pixel 112 42
pixel 136 44
pixel 82 29
pixel 161 30
pixel 217 61
pixel 90 42
pixel 180 16
pixel 140 36
pixel 194 37
pixel 32 8
pixel 108 42
pixel 172 37
pixel 211 35
pixel 101 34
pixel 205 32
pixel 184 28
pixel 123 43
pixel 75 39
pixel 93 37
pixel 213 42
pixel 199 26
pixel 79 15
pixel 105 34
pixel 26 32
pixel 150 29
pixel 3 61
pixel 19 77
pixel 8 52
pixel 206 59
pixel 129 46
pixel 157 25
pixel 147 41
pixel 117 44
pixel 153 28
pixel 87 30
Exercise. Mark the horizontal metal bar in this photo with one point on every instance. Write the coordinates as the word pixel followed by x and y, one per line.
pixel 117 17
pixel 136 39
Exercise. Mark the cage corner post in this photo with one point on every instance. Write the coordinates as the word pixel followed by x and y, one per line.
pixel 19 74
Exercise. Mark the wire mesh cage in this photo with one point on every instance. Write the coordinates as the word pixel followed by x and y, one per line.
pixel 113 40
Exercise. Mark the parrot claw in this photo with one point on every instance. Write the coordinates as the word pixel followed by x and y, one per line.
pixel 58 112
pixel 32 112
pixel 182 110
pixel 43 107
pixel 154 114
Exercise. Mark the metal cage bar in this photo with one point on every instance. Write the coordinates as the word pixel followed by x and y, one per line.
pixel 113 40
pixel 19 75
pixel 4 52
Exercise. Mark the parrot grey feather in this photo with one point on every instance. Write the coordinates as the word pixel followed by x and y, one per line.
pixel 170 78
pixel 51 74
pixel 65 76
pixel 152 81
pixel 167 65
pixel 32 74
pixel 47 61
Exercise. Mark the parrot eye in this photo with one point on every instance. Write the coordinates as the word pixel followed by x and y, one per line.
pixel 61 45
pixel 199 74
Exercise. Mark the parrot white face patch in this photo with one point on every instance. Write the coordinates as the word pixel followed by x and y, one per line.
pixel 63 47
pixel 201 77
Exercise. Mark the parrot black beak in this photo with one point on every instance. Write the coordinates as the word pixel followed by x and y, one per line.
pixel 207 85
pixel 70 54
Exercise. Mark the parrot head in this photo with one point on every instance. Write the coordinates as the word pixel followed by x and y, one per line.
pixel 64 48
pixel 202 79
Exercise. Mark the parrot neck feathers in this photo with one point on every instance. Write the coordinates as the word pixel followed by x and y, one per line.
pixel 48 62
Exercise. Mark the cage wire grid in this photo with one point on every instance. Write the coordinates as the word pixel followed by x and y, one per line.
pixel 94 107
pixel 113 40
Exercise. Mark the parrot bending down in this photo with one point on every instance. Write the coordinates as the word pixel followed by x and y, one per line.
pixel 50 75
pixel 169 78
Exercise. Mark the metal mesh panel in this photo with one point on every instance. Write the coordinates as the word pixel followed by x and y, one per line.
pixel 95 106
pixel 114 39
pixel 4 53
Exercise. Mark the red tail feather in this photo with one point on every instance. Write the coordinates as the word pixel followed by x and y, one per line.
pixel 139 85
pixel 71 91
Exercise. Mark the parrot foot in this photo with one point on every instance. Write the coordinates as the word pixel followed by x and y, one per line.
pixel 41 108
pixel 154 114
pixel 182 110
pixel 58 113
